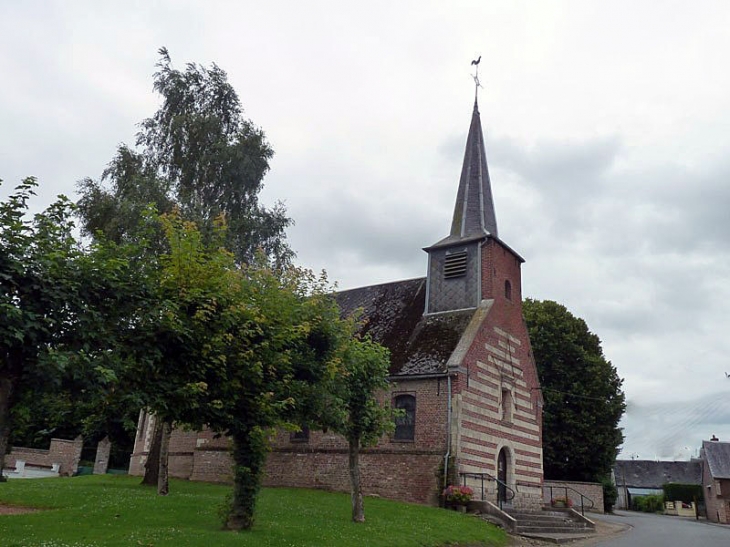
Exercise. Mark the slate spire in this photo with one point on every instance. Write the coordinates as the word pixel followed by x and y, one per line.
pixel 474 209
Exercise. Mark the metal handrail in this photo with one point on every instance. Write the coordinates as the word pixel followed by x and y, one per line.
pixel 489 478
pixel 565 489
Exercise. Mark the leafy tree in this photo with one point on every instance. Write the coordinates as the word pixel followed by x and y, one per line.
pixel 199 153
pixel 61 307
pixel 238 349
pixel 119 211
pixel 35 259
pixel 582 393
pixel 285 342
pixel 359 416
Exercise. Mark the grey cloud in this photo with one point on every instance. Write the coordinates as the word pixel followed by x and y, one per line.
pixel 665 429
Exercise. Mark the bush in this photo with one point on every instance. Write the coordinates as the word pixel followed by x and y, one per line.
pixel 610 494
pixel 648 504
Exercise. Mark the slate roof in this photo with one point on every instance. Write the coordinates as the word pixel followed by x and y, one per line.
pixel 717 455
pixel 392 313
pixel 652 474
pixel 474 215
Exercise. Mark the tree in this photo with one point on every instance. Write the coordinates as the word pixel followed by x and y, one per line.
pixel 199 153
pixel 61 307
pixel 357 413
pixel 582 393
pixel 35 262
pixel 287 341
pixel 235 349
pixel 119 211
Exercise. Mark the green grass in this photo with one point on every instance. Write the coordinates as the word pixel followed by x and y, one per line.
pixel 116 510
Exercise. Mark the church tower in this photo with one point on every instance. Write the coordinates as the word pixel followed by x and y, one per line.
pixel 460 272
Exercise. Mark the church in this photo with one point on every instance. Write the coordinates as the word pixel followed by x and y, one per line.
pixel 462 371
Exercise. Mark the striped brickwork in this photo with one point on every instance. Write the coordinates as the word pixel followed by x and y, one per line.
pixel 497 401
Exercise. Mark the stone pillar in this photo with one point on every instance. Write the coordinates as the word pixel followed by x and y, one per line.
pixel 101 462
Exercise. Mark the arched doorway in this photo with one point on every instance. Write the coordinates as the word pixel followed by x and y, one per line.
pixel 502 476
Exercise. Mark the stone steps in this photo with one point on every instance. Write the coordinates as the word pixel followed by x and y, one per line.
pixel 548 522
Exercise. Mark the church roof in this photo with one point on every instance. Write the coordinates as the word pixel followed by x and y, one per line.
pixel 392 314
pixel 653 474
pixel 717 455
pixel 474 215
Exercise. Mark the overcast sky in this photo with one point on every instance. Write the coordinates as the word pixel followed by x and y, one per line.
pixel 607 127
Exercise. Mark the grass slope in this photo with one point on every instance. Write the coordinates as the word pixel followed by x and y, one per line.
pixel 115 510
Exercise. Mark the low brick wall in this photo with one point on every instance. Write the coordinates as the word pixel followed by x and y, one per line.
pixel 64 452
pixel 406 477
pixel 592 490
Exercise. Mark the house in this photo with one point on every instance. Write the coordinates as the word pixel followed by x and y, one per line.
pixel 715 457
pixel 461 370
pixel 646 477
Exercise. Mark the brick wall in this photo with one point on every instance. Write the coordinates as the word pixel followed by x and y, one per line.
pixel 405 470
pixel 65 452
pixel 717 497
pixel 591 490
pixel 724 501
pixel 411 477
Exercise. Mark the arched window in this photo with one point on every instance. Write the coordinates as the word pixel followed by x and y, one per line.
pixel 507 289
pixel 405 423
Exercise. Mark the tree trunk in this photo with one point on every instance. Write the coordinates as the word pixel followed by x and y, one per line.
pixel 358 509
pixel 6 393
pixel 152 465
pixel 249 456
pixel 163 486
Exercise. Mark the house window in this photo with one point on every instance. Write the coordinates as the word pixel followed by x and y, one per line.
pixel 405 423
pixel 506 409
pixel 455 265
pixel 301 436
pixel 507 289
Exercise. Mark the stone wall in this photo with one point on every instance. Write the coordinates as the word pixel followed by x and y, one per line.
pixel 65 453
pixel 591 490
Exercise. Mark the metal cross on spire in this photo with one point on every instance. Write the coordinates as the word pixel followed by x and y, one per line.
pixel 477 84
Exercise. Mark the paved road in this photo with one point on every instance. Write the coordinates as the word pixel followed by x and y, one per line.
pixel 662 531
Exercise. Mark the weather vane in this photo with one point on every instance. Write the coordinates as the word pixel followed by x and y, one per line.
pixel 477 84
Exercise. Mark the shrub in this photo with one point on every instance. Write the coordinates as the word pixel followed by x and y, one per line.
pixel 648 504
pixel 610 494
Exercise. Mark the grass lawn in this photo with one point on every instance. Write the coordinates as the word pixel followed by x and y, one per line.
pixel 116 510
